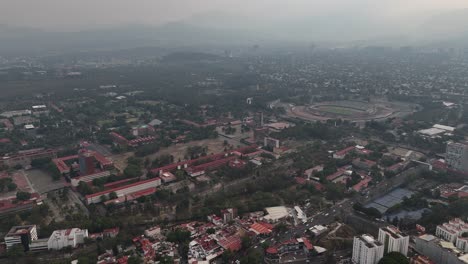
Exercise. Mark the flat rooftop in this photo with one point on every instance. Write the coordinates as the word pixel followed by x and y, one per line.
pixel 20 230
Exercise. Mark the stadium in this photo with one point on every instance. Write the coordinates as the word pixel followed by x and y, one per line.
pixel 350 110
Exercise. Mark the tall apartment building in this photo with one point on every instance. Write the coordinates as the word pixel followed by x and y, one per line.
pixel 229 214
pixel 21 235
pixel 367 250
pixel 86 162
pixel 456 156
pixel 393 240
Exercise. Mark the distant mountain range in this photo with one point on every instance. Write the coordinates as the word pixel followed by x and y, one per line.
pixel 447 29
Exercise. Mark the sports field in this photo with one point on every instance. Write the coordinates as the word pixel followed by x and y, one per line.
pixel 353 110
pixel 339 110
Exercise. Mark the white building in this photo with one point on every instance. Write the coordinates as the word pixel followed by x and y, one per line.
pixel 10 114
pixel 89 178
pixel 462 244
pixel 300 214
pixel 229 214
pixel 393 240
pixel 21 235
pixel 437 130
pixel 153 232
pixel 318 230
pixel 367 250
pixel 67 238
pixel 275 214
pixel 38 110
pixel 455 231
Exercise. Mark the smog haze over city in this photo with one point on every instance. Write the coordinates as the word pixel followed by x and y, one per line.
pixel 222 132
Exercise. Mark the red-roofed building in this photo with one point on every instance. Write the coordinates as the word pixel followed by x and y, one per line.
pixel 141 141
pixel 7 124
pixel 261 228
pixel 24 157
pixel 237 164
pixel 300 180
pixel 396 168
pixel 201 169
pixel 364 151
pixel 89 163
pixel 118 139
pixel 111 232
pixel 341 154
pixel 145 247
pixel 11 205
pixel 340 176
pixel 61 164
pixel 209 162
pixel 122 260
pixel 5 140
pixel 167 177
pixel 132 196
pixel 123 191
pixel 439 165
pixel 215 219
pixel 362 184
pixel 318 186
pixel 232 243
pixel 116 184
pixel 103 161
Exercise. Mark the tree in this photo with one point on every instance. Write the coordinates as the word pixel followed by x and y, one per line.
pixel 394 258
pixel 16 251
pixel 134 260
pixel 84 188
pixel 55 173
pixel 227 256
pixel 23 196
pixel 281 227
pixel 178 236
pixel 11 186
pixel 166 260
pixel 253 256
pixel 113 195
pixel 246 242
pixel 132 171
pixel 335 192
pixel 210 231
pixel 40 163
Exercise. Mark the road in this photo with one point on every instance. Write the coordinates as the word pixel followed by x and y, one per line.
pixel 339 209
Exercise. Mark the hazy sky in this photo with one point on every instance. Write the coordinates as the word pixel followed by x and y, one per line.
pixel 85 14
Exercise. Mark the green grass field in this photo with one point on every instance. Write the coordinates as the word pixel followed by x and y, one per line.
pixel 339 110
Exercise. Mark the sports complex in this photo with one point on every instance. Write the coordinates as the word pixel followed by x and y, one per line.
pixel 350 110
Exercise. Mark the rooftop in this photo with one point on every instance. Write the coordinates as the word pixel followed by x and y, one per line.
pixel 20 230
